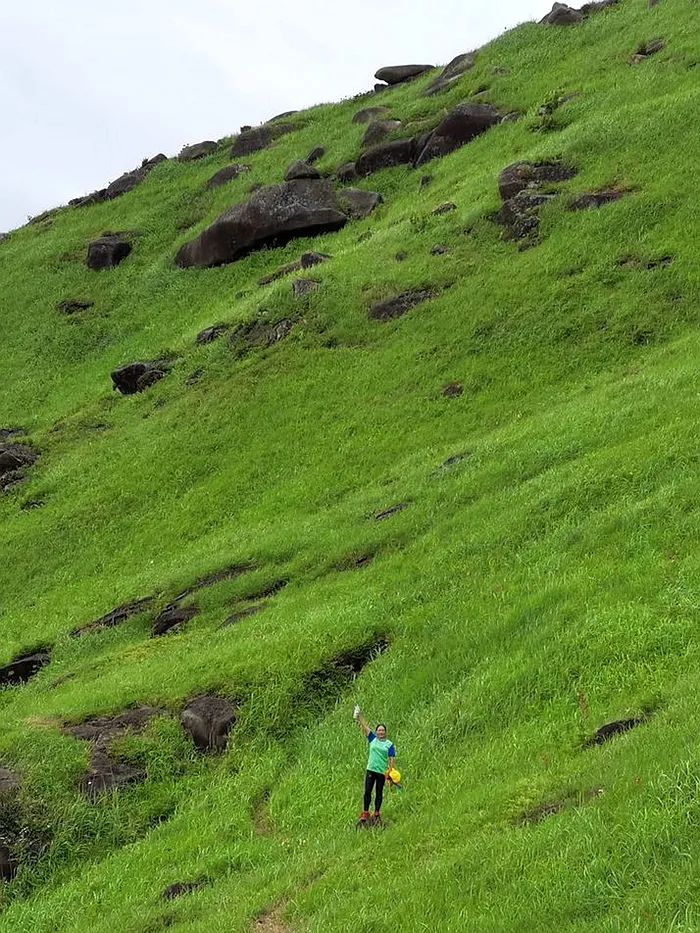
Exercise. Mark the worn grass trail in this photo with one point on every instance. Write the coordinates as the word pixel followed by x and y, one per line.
pixel 541 579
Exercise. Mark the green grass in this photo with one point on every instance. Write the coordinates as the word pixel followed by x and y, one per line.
pixel 539 587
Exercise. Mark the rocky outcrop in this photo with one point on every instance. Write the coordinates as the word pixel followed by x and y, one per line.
pixel 197 151
pixel 227 174
pixel 256 138
pixel 399 305
pixel 521 175
pixel 258 335
pixel 563 15
pixel 346 172
pixel 114 617
pixel 208 721
pixel 316 153
pixel 135 377
pixel 397 74
pixel 520 214
pixel 121 185
pixel 451 73
pixel 272 216
pixel 107 251
pixel 523 188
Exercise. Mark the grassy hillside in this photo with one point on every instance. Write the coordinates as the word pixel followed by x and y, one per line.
pixel 540 581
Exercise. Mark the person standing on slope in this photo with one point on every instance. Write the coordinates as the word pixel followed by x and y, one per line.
pixel 379 763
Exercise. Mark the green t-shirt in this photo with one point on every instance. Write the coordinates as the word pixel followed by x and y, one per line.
pixel 380 751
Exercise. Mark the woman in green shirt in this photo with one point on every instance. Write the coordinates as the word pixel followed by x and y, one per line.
pixel 379 763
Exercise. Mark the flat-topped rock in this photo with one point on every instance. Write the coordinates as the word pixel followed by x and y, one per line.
pixel 197 151
pixel 397 74
pixel 272 216
pixel 387 155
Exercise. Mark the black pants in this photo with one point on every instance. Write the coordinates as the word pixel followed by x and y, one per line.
pixel 374 779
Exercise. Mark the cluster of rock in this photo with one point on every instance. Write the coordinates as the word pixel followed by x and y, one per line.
pixel 523 187
pixel 135 377
pixel 563 15
pixel 121 185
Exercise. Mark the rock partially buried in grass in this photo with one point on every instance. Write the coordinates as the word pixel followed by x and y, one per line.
pixel 179 888
pixel 446 208
pixel 208 721
pixel 209 334
pixel 369 114
pixel 398 306
pixel 316 153
pixel 260 137
pixel 244 613
pixel 122 185
pixel 107 251
pixel 453 390
pixel 23 668
pixel 647 49
pixel 8 864
pixel 387 155
pixel 397 74
pixel 378 130
pixel 387 513
pixel 358 203
pixel 172 618
pixel 258 335
pixel 521 175
pixel 520 215
pixel 611 729
pixel 14 459
pixel 272 216
pixel 73 305
pixel 114 617
pixel 592 200
pixel 301 169
pixel 303 287
pixel 136 377
pixel 9 781
pixel 451 73
pixel 227 174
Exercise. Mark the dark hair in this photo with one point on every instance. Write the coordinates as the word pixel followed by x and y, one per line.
pixel 378 725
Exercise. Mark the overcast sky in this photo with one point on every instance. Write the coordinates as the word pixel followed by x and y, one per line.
pixel 89 89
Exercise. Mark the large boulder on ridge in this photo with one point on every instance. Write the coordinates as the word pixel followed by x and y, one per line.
pixel 256 138
pixel 272 216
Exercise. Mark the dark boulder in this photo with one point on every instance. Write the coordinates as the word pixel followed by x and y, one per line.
pixel 378 130
pixel 521 175
pixel 209 334
pixel 130 180
pixel 462 124
pixel 23 668
pixel 259 137
pixel 346 172
pixel 387 155
pixel 73 305
pixel 369 114
pixel 611 729
pixel 595 199
pixel 301 169
pixel 451 72
pixel 197 151
pixel 272 216
pixel 399 305
pixel 107 251
pixel 172 618
pixel 135 377
pixel 562 15
pixel 358 203
pixel 226 174
pixel 208 721
pixel 397 74
pixel 316 153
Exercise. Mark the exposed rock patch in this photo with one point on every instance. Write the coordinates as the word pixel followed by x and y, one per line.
pixel 636 262
pixel 335 674
pixel 8 864
pixel 115 617
pixel 358 203
pixel 355 562
pixel 592 200
pixel 9 781
pixel 522 175
pixel 453 390
pixel 209 334
pixel 387 155
pixel 271 217
pixel 180 888
pixel 197 151
pixel 14 460
pixel 107 251
pixel 218 576
pixel 647 49
pixel 396 307
pixel 439 250
pixel 24 667
pixel 393 510
pixel 208 721
pixel 563 15
pixel 303 287
pixel 258 335
pixel 451 73
pixel 138 376
pixel 172 618
pixel 520 215
pixel 73 305
pixel 397 74
pixel 244 613
pixel 611 729
pixel 227 174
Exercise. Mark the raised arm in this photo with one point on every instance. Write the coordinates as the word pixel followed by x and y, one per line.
pixel 361 721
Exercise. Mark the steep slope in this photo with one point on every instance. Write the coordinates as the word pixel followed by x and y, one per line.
pixel 477 518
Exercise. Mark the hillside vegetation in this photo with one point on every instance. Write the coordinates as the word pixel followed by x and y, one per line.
pixel 478 519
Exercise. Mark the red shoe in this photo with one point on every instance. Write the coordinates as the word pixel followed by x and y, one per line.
pixel 364 816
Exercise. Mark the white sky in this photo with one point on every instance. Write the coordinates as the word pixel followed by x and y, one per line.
pixel 88 89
